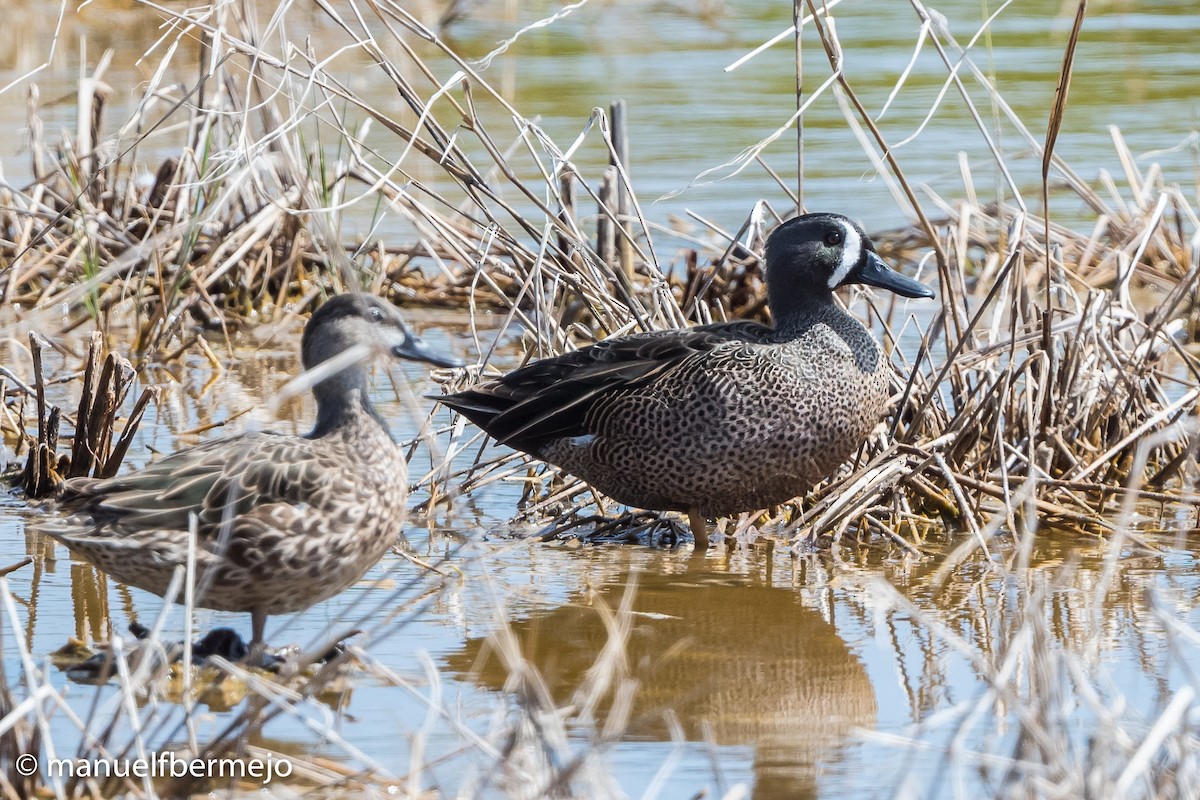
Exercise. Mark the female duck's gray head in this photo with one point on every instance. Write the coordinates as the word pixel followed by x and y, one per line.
pixel 363 319
pixel 810 256
pixel 335 330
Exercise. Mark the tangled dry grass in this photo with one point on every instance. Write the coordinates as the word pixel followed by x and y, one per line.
pixel 1039 365
pixel 1055 385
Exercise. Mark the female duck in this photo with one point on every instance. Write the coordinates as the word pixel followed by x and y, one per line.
pixel 283 522
pixel 718 419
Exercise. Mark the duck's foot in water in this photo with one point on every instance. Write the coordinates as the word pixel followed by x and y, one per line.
pixel 100 667
pixel 224 643
pixel 227 644
pixel 648 528
pixel 295 656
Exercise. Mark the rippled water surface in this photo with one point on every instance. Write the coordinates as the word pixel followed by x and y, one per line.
pixel 796 674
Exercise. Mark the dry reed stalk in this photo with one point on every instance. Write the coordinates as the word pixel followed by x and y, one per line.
pixel 106 382
pixel 1049 392
pixel 1045 721
pixel 1022 389
pixel 533 750
pixel 1008 412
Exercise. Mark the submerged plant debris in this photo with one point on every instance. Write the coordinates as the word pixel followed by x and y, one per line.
pixel 1052 389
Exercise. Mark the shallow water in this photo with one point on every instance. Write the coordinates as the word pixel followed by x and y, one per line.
pixel 786 672
pixel 796 674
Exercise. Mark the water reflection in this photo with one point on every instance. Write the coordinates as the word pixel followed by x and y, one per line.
pixel 781 657
pixel 747 662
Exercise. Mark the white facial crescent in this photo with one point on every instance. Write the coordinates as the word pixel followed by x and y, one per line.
pixel 851 252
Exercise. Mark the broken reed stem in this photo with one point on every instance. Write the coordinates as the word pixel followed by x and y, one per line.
pixel 40 476
pixel 620 162
pixel 106 381
pixel 1052 129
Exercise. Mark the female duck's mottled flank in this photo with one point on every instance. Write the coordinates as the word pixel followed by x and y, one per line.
pixel 283 521
pixel 718 419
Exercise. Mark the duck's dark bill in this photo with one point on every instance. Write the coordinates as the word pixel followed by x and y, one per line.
pixel 875 272
pixel 416 350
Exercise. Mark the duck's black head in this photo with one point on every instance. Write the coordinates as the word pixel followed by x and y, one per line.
pixel 363 319
pixel 813 254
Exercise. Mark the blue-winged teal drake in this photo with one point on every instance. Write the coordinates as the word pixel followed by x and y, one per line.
pixel 283 521
pixel 721 418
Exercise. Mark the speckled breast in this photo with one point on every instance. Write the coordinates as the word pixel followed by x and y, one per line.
pixel 351 525
pixel 750 426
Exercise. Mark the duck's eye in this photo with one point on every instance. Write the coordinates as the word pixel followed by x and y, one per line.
pixel 834 238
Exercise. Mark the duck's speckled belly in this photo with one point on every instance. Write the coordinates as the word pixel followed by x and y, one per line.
pixel 734 438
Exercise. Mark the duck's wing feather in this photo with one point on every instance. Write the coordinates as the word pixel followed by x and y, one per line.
pixel 216 481
pixel 552 398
